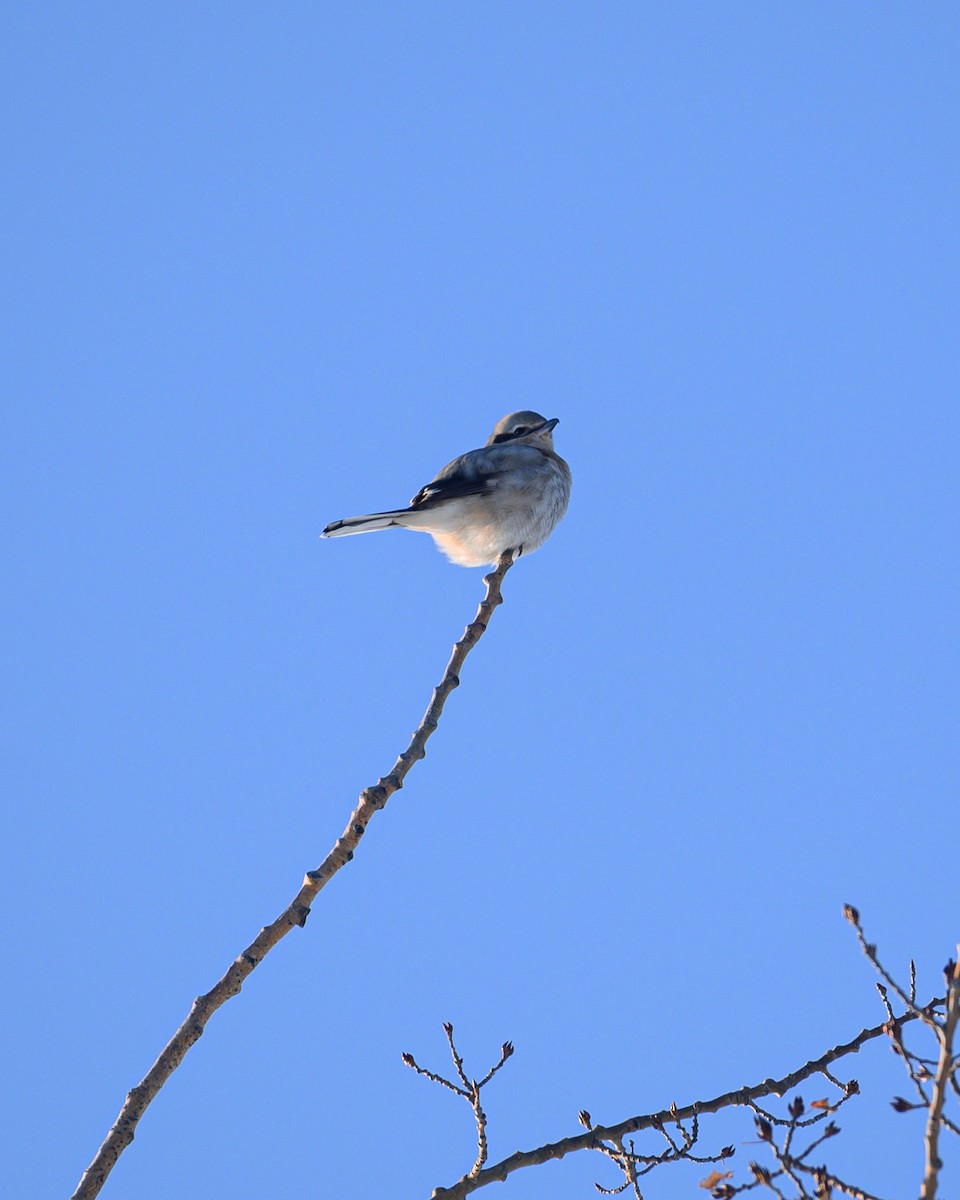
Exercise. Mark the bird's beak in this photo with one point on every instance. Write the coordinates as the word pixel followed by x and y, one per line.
pixel 549 426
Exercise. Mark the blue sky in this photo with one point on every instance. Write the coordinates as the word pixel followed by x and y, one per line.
pixel 270 265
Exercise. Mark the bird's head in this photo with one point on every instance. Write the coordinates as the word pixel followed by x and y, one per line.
pixel 528 428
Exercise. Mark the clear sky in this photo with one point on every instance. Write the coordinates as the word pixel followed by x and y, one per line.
pixel 268 265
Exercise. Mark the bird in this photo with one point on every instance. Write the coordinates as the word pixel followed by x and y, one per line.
pixel 508 495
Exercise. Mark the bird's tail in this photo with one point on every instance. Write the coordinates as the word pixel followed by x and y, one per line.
pixel 366 524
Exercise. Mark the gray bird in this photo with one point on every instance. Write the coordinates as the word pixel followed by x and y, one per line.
pixel 509 495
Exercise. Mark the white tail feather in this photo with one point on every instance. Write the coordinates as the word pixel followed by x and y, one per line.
pixel 366 524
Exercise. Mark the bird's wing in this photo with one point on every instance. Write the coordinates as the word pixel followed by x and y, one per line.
pixel 442 490
pixel 472 474
pixel 475 473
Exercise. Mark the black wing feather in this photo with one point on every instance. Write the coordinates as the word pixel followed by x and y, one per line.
pixel 441 490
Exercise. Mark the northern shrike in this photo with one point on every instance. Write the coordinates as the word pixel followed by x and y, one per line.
pixel 507 496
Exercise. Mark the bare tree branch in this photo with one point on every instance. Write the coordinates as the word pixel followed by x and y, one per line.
pixel 922 1070
pixel 945 1071
pixel 372 799
pixel 470 1091
pixel 498 1172
pixel 870 950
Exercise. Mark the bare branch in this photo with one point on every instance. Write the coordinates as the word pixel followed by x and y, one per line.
pixel 412 1063
pixel 945 1069
pixel 505 1052
pixel 870 950
pixel 457 1060
pixel 372 799
pixel 481 1119
pixel 470 1091
pixel 825 1181
pixel 615 1134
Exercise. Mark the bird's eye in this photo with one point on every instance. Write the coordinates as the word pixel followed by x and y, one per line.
pixel 520 431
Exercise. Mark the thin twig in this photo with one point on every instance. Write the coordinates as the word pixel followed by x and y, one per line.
pixel 372 799
pixel 412 1063
pixel 457 1058
pixel 870 950
pixel 481 1119
pixel 823 1177
pixel 505 1051
pixel 470 1091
